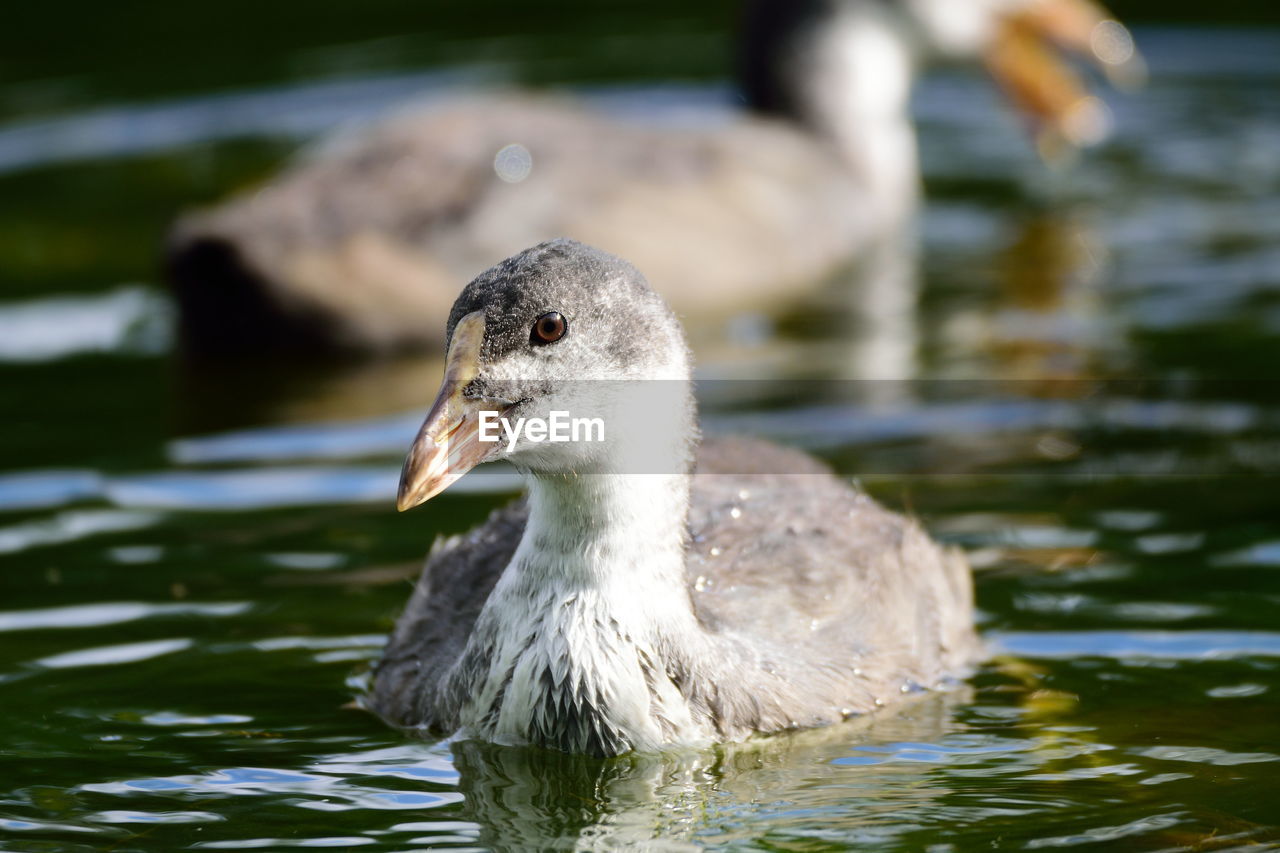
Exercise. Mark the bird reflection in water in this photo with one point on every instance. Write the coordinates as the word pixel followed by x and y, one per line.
pixel 528 798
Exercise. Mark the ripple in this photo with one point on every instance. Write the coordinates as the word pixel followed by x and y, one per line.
pixel 128 320
pixel 1159 611
pixel 1128 519
pixel 123 816
pixel 20 825
pixel 1260 554
pixel 233 780
pixel 435 826
pixel 258 843
pixel 948 751
pixel 414 762
pixel 383 800
pixel 377 436
pixel 357 641
pixel 1045 536
pixel 132 555
pixel 72 526
pixel 1107 833
pixel 1160 645
pixel 111 613
pixel 1169 543
pixel 311 561
pixel 1078 773
pixel 256 488
pixel 1206 755
pixel 1162 778
pixel 44 489
pixel 173 718
pixel 325 786
pixel 842 424
pixel 1052 602
pixel 1236 691
pixel 139 495
pixel 112 655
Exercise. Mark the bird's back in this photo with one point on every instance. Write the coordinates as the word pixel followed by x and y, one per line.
pixel 364 241
pixel 792 558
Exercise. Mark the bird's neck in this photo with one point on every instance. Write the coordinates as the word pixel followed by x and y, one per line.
pixel 568 650
pixel 614 520
pixel 614 534
pixel 845 72
pixel 861 98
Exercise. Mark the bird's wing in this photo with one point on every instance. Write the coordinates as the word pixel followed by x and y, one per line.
pixel 432 631
pixel 791 560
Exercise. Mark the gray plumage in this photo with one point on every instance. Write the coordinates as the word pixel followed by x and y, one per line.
pixel 360 243
pixel 782 598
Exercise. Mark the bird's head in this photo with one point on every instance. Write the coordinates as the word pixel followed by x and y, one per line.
pixel 561 338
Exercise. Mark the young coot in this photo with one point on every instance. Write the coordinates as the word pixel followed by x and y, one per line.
pixel 649 590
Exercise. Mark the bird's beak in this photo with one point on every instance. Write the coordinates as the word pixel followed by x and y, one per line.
pixel 1025 57
pixel 448 445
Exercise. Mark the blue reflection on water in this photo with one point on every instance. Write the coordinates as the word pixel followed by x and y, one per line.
pixel 1175 645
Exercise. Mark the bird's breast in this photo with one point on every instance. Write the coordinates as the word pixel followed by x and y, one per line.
pixel 569 676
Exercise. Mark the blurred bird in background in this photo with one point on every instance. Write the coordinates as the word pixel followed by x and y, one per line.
pixel 362 244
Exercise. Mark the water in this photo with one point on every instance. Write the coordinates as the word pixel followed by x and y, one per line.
pixel 198 565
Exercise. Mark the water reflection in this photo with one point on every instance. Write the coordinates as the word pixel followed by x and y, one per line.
pixel 1049 320
pixel 217 397
pixel 524 798
pixel 131 319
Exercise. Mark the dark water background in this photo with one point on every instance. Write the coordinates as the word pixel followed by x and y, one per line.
pixel 196 565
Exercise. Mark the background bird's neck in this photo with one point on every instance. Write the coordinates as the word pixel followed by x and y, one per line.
pixel 844 70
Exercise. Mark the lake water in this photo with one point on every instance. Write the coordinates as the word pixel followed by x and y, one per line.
pixel 1076 381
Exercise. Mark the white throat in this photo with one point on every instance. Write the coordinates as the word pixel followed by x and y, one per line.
pixel 567 650
pixel 858 73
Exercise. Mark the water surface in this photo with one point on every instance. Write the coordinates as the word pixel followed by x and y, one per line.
pixel 197 566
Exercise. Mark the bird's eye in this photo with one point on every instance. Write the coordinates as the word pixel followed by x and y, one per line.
pixel 549 328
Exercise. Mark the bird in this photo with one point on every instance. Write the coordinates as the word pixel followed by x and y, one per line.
pixel 357 246
pixel 651 591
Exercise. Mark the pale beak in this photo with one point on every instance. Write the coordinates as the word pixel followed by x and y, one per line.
pixel 1025 58
pixel 448 445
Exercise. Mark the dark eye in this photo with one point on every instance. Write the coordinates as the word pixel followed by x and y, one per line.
pixel 549 328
